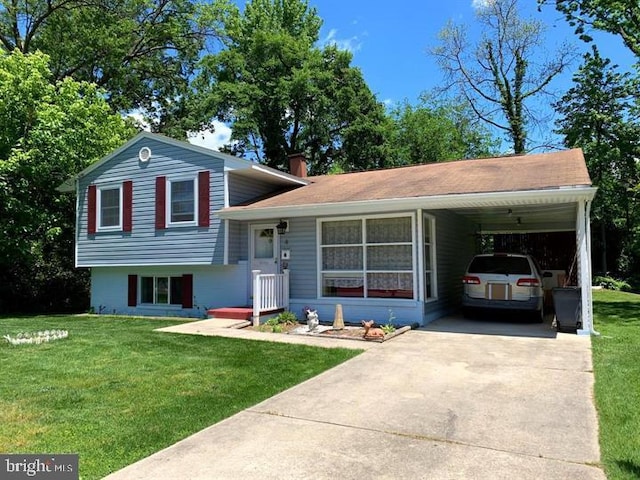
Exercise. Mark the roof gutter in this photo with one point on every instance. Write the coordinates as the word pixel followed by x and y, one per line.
pixel 435 202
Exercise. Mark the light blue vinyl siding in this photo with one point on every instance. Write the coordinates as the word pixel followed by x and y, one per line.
pixel 235 228
pixel 455 246
pixel 145 245
pixel 238 241
pixel 301 240
pixel 213 287
pixel 242 189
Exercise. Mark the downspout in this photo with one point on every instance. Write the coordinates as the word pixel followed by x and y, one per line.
pixel 225 183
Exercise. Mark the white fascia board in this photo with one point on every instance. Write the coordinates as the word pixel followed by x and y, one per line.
pixel 262 170
pixel 279 174
pixel 436 202
pixel 149 264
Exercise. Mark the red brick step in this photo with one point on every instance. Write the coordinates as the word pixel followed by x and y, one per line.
pixel 232 313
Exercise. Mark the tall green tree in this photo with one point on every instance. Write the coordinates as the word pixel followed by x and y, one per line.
pixel 621 18
pixel 500 76
pixel 49 131
pixel 141 52
pixel 437 130
pixel 597 114
pixel 283 95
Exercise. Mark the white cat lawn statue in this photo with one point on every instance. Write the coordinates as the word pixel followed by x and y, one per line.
pixel 312 320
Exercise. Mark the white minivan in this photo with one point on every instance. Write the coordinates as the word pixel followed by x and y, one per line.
pixel 504 281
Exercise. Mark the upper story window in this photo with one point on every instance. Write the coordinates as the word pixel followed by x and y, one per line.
pixel 109 207
pixel 182 201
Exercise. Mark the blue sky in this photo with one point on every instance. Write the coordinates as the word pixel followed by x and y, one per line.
pixel 390 41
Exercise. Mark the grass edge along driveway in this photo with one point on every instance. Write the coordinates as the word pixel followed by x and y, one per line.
pixel 115 391
pixel 616 360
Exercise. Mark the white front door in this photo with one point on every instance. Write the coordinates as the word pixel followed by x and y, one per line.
pixel 264 248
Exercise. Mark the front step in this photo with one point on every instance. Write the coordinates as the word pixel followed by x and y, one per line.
pixel 238 313
pixel 232 313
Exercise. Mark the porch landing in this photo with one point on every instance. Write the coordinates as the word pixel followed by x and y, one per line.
pixel 231 313
pixel 238 313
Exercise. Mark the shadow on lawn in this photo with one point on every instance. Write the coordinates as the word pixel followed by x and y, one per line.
pixel 629 467
pixel 622 313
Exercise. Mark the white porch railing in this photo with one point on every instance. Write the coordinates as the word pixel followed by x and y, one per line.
pixel 270 292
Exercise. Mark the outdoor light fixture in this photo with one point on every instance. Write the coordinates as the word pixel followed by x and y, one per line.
pixel 282 227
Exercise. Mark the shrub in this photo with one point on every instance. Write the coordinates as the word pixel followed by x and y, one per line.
pixel 286 317
pixel 611 283
pixel 388 328
pixel 274 324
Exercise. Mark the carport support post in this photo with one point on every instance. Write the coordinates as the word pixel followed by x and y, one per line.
pixel 583 233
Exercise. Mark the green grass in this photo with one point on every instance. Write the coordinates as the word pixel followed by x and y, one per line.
pixel 616 358
pixel 115 391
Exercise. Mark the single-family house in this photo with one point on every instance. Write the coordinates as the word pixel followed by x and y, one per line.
pixel 169 228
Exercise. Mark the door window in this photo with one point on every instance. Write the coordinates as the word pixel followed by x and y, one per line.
pixel 263 242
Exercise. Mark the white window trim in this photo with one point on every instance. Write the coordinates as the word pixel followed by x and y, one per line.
pixel 363 219
pixel 195 201
pixel 434 264
pixel 99 189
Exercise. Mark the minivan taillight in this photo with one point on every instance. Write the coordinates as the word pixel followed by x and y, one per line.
pixel 469 280
pixel 528 282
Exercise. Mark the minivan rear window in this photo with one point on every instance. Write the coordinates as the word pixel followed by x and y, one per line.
pixel 500 265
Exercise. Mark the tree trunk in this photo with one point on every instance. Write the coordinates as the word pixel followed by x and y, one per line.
pixel 603 239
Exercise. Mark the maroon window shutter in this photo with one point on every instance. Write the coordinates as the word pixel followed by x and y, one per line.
pixel 161 199
pixel 91 209
pixel 203 198
pixel 127 206
pixel 132 291
pixel 187 290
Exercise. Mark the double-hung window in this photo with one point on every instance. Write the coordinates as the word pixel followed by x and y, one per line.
pixel 182 201
pixel 367 257
pixel 161 290
pixel 109 207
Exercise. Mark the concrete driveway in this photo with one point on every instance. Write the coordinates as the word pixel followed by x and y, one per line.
pixel 427 404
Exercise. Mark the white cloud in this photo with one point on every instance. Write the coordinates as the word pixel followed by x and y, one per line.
pixel 352 44
pixel 140 120
pixel 213 140
pixel 477 4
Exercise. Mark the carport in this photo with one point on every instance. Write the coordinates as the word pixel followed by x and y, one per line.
pixel 564 209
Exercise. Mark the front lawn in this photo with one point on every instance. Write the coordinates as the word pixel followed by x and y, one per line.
pixel 115 391
pixel 616 358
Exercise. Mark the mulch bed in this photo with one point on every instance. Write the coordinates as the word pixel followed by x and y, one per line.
pixel 348 333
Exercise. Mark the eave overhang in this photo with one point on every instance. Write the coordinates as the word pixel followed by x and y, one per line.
pixel 458 201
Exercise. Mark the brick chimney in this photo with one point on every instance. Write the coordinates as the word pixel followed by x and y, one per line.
pixel 298 165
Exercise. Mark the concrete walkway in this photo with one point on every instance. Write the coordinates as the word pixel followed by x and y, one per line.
pixel 428 405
